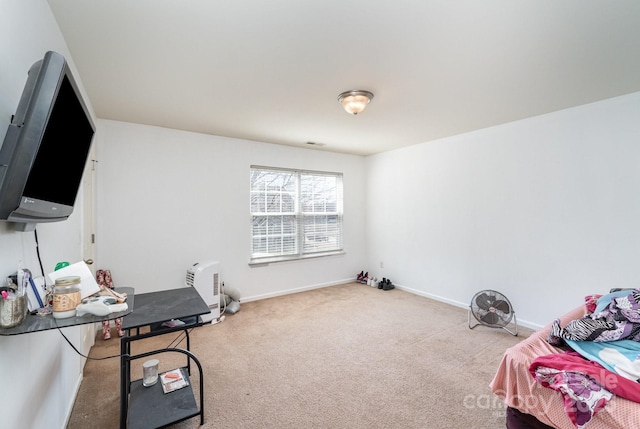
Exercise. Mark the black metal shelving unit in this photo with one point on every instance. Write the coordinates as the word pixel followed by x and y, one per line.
pixel 150 407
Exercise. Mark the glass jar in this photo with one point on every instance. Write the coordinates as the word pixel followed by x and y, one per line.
pixel 150 372
pixel 66 296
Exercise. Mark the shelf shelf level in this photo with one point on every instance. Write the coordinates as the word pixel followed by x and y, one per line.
pixel 150 407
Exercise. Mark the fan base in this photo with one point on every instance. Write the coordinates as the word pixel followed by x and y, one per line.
pixel 515 321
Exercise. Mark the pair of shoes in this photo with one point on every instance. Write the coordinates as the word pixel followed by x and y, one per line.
pixel 362 277
pixel 385 284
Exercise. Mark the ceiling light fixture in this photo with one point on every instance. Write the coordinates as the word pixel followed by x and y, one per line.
pixel 354 102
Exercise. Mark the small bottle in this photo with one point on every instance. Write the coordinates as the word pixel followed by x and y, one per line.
pixel 66 297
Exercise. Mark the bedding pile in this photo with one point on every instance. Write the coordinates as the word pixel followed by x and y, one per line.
pixel 604 359
pixel 616 317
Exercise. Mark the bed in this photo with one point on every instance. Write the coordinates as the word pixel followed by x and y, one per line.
pixel 532 406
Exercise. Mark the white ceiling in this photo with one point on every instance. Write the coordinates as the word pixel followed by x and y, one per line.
pixel 271 71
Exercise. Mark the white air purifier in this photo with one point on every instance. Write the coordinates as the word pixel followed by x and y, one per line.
pixel 205 278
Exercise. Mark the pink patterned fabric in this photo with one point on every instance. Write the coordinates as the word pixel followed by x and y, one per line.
pixel 514 385
pixel 583 396
pixel 573 361
pixel 591 301
pixel 103 278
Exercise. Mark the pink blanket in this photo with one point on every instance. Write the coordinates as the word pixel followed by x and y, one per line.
pixel 514 385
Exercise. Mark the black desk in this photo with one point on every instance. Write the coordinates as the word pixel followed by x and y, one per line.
pixel 35 323
pixel 157 307
pixel 149 406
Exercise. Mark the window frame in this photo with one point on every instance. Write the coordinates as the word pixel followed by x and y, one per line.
pixel 332 225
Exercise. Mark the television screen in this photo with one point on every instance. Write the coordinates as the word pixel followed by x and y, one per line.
pixel 46 147
pixel 57 169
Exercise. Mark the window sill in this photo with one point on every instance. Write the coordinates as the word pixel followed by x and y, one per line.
pixel 263 262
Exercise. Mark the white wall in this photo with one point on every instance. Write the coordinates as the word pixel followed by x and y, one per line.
pixel 168 199
pixel 40 372
pixel 545 210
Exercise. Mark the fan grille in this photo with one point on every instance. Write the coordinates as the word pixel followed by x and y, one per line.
pixel 491 308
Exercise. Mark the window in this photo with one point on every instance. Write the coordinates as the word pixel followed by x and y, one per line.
pixel 294 214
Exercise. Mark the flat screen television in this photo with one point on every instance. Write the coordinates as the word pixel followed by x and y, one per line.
pixel 45 149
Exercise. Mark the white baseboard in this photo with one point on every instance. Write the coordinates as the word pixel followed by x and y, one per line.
pixel 295 290
pixel 459 304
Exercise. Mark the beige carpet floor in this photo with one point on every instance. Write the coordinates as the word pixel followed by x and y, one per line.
pixel 347 356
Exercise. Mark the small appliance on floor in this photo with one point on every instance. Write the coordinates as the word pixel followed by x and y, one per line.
pixel 493 309
pixel 205 278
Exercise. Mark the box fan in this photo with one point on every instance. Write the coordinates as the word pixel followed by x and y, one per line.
pixel 205 278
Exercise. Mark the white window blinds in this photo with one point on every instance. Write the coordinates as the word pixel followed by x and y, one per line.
pixel 294 213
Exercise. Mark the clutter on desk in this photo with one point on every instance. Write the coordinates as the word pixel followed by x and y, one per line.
pixel 37 293
pixel 66 296
pixel 100 306
pixel 172 323
pixel 61 265
pixel 119 297
pixel 105 302
pixel 13 305
pixel 88 284
pixel 173 380
pixel 22 293
pixel 75 288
